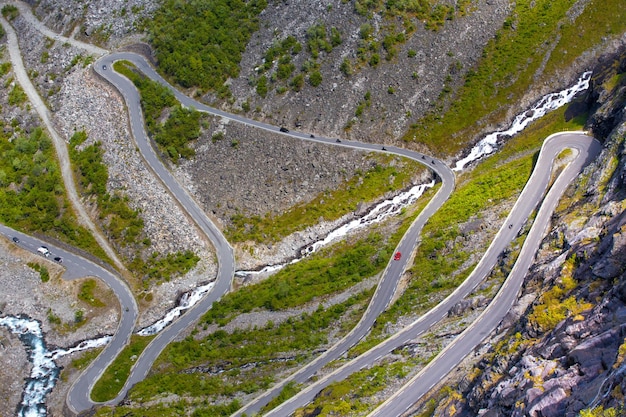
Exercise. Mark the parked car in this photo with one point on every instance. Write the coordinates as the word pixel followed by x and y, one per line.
pixel 58 259
pixel 44 251
pixel 397 256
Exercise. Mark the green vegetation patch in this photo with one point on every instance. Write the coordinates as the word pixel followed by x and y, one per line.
pixel 555 305
pixel 400 20
pixel 600 411
pixel 324 273
pixel 318 39
pixel 43 271
pixel 17 96
pixel 350 396
pixel 86 293
pixel 161 268
pixel 431 12
pixel 600 20
pixel 180 126
pixel 115 376
pixel 123 224
pixel 199 43
pixel 389 174
pixel 32 195
pixel 10 12
pixel 289 390
pixel 508 66
pixel 86 358
pixel 279 72
pixel 5 67
pixel 222 356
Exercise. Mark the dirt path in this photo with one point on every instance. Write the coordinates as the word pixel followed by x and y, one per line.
pixel 26 13
pixel 59 143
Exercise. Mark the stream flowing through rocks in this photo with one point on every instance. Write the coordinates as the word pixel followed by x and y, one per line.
pixel 45 372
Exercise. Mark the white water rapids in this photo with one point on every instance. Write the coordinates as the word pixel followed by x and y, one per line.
pixel 45 371
pixel 546 104
pixel 188 300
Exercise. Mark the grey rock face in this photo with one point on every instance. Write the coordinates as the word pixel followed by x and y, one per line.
pixel 577 364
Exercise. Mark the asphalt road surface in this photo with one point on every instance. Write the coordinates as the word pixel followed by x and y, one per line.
pixel 391 275
pixel 586 149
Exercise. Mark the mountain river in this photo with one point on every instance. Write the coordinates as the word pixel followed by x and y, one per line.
pixel 45 372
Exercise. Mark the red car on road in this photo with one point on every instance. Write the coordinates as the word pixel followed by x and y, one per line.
pixel 397 256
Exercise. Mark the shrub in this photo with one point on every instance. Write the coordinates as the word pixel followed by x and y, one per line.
pixel 10 12
pixel 315 79
pixel 261 86
pixel 43 271
pixel 17 96
pixel 86 293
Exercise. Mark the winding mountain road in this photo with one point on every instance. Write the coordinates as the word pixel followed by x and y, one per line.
pixel 586 149
pixel 390 277
pixel 78 267
pixel 78 399
pixel 531 195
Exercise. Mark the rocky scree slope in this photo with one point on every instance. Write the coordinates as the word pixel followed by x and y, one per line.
pixel 80 100
pixel 401 89
pixel 108 23
pixel 403 85
pixel 539 364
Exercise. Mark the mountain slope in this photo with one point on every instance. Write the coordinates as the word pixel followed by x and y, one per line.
pixel 564 353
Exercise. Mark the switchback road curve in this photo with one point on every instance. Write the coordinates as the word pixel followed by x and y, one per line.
pixel 586 150
pixel 391 275
pixel 224 253
pixel 79 267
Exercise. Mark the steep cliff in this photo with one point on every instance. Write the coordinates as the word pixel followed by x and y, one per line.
pixel 565 355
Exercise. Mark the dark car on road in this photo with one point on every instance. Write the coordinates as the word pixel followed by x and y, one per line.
pixel 284 129
pixel 16 240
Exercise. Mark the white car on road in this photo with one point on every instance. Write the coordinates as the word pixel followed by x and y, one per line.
pixel 44 251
